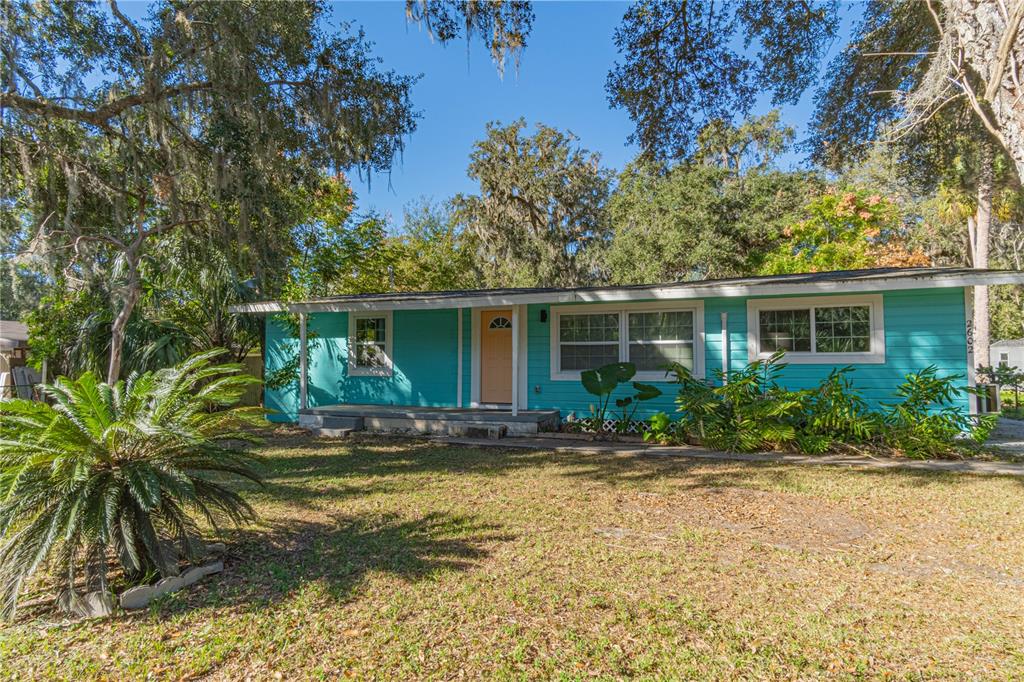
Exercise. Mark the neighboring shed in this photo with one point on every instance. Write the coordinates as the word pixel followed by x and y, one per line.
pixel 1009 353
pixel 15 378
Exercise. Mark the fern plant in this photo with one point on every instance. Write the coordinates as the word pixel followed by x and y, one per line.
pixel 123 472
pixel 926 421
pixel 747 411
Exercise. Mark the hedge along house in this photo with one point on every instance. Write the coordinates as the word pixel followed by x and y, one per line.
pixel 444 361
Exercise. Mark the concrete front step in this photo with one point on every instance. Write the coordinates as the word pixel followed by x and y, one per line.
pixel 330 422
pixel 465 422
pixel 333 433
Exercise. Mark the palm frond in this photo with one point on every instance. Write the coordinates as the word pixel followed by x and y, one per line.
pixel 127 470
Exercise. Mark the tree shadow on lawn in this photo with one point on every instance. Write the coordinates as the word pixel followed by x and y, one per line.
pixel 269 565
pixel 387 461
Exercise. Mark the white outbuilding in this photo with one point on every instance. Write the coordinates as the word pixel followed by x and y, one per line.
pixel 1009 353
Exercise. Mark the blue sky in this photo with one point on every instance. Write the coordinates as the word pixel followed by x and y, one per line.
pixel 560 82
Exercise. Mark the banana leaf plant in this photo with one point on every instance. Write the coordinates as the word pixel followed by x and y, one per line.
pixel 629 404
pixel 603 381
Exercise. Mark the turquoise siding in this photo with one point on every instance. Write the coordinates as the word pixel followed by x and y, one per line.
pixel 922 327
pixel 425 362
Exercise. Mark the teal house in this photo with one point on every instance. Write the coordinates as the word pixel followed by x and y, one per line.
pixel 513 353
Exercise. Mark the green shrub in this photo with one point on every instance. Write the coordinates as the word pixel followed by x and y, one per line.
pixel 835 412
pixel 750 411
pixel 122 470
pixel 661 429
pixel 925 422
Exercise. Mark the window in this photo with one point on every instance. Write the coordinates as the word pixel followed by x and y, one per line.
pixel 369 336
pixel 817 329
pixel 843 329
pixel 788 330
pixel 657 339
pixel 1004 359
pixel 500 323
pixel 651 336
pixel 588 341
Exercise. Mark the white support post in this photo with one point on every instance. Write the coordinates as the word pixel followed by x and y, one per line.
pixel 515 360
pixel 972 379
pixel 725 348
pixel 458 360
pixel 302 361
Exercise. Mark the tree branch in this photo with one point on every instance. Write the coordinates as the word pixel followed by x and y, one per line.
pixel 1005 48
pixel 102 115
pixel 139 43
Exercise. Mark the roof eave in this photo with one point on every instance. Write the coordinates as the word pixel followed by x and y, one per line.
pixel 613 294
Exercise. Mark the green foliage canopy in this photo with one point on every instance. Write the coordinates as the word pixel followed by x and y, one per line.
pixel 539 218
pixel 682 65
pixel 844 230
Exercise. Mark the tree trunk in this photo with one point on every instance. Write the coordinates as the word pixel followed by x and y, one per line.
pixel 982 226
pixel 991 38
pixel 133 290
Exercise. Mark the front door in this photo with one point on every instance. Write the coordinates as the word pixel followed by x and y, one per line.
pixel 496 356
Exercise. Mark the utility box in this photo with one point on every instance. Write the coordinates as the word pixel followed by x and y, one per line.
pixel 987 399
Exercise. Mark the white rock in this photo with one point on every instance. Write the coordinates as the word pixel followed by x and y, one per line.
pixel 168 584
pixel 136 597
pixel 140 597
pixel 94 605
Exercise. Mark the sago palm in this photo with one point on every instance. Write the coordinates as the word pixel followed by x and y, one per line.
pixel 123 471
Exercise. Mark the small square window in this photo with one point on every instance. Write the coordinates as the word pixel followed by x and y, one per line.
pixel 659 339
pixel 587 341
pixel 845 329
pixel 370 344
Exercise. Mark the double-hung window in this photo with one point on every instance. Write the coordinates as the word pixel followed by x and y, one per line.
pixel 817 329
pixel 659 338
pixel 651 336
pixel 370 344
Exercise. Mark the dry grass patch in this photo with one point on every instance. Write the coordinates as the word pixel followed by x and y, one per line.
pixel 393 559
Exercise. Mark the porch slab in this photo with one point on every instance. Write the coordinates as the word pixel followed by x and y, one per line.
pixel 446 421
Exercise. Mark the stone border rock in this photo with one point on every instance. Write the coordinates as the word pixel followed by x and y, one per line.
pixel 141 596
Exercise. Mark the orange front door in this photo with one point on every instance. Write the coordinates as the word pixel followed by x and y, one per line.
pixel 496 356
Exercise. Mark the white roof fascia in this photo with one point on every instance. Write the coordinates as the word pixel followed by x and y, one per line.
pixel 674 292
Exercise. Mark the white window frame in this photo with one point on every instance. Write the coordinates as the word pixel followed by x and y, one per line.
pixel 623 309
pixel 875 309
pixel 389 341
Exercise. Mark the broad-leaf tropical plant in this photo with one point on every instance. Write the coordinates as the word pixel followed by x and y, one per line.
pixel 123 472
pixel 631 403
pixel 602 382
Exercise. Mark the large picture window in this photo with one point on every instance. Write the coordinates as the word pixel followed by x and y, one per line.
pixel 369 341
pixel 649 336
pixel 818 329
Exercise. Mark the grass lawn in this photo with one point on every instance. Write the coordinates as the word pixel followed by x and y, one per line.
pixel 396 560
